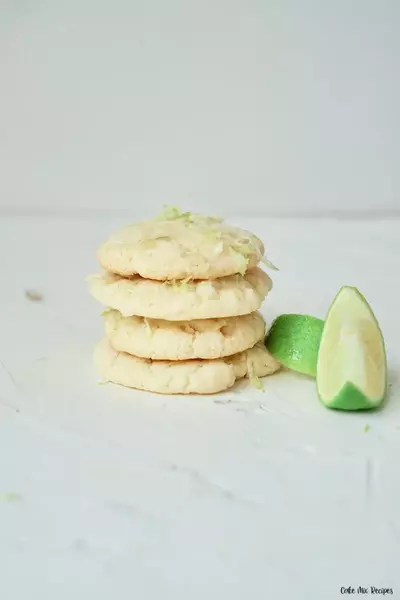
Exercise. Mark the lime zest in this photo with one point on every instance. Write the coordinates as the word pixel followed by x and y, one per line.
pixel 367 428
pixel 243 250
pixel 180 285
pixel 254 380
pixel 244 245
pixel 171 213
pixel 241 261
pixel 269 264
pixel 152 242
pixel 173 283
pixel 10 497
pixel 186 285
pixel 149 330
pixel 212 234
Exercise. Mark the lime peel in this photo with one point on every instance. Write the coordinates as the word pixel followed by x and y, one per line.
pixel 149 329
pixel 173 213
pixel 10 497
pixel 294 341
pixel 268 263
pixel 254 380
pixel 241 261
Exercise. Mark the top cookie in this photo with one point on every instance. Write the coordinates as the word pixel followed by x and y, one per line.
pixel 179 246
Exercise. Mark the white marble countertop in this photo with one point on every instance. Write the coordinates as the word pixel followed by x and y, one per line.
pixel 110 493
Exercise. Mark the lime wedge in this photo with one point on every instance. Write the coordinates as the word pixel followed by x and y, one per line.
pixel 294 341
pixel 351 369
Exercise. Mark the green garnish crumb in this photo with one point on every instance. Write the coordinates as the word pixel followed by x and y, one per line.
pixel 10 497
pixel 147 325
pixel 180 285
pixel 254 380
pixel 170 213
pixel 241 261
pixel 33 295
pixel 367 428
pixel 173 213
pixel 269 264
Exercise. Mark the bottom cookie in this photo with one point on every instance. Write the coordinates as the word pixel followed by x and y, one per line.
pixel 182 377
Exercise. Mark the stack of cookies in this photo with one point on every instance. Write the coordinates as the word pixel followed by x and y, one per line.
pixel 182 293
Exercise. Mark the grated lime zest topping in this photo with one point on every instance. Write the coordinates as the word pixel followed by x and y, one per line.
pixel 186 284
pixel 241 261
pixel 254 380
pixel 10 497
pixel 269 264
pixel 180 285
pixel 173 213
pixel 152 243
pixel 244 247
pixel 174 283
pixel 170 213
pixel 212 235
pixel 149 330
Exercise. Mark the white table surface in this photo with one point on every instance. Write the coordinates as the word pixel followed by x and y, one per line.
pixel 110 493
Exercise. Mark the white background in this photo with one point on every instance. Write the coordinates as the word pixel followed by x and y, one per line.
pixel 254 107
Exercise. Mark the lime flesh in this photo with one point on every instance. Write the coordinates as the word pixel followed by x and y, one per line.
pixel 351 368
pixel 294 341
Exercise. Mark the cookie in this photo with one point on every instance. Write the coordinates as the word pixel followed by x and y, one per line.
pixel 180 245
pixel 182 301
pixel 253 363
pixel 180 377
pixel 183 340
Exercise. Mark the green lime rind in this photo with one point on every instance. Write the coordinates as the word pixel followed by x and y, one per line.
pixel 351 398
pixel 294 341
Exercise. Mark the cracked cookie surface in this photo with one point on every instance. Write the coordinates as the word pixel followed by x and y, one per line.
pixel 183 340
pixel 181 377
pixel 178 246
pixel 182 301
